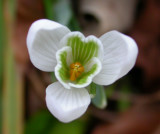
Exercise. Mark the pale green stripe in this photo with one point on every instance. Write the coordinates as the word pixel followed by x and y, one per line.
pixel 93 48
pixel 82 49
pixel 76 48
pixel 73 49
pixel 85 52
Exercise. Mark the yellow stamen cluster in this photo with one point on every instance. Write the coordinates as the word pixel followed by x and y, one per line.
pixel 76 69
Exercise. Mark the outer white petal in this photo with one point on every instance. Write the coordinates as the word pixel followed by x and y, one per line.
pixel 120 53
pixel 43 41
pixel 66 105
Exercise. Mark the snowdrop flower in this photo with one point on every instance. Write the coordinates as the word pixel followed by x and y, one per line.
pixel 77 61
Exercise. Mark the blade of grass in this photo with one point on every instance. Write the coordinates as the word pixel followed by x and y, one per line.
pixel 11 97
pixel 1 59
pixel 12 81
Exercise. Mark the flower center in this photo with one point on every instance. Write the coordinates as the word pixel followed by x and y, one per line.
pixel 76 69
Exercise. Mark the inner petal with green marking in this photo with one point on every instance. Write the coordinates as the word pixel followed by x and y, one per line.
pixel 83 50
pixel 78 61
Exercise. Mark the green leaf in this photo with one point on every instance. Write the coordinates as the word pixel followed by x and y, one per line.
pixel 124 102
pixel 58 10
pixel 44 123
pixel 49 7
pixel 110 90
pixel 74 24
pixel 92 89
pixel 40 123
pixel 63 11
pixel 100 100
pixel 75 127
pixel 53 77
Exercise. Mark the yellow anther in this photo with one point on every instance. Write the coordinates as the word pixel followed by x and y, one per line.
pixel 76 69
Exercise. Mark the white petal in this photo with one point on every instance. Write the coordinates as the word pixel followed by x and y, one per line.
pixel 120 53
pixel 43 41
pixel 66 105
